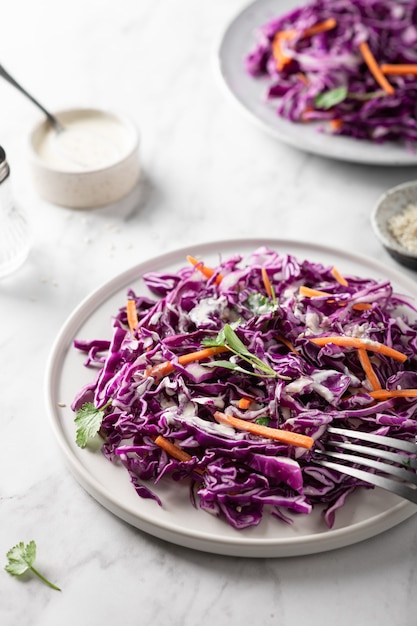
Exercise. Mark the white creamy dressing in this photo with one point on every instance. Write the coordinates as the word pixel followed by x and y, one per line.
pixel 90 140
pixel 313 382
pixel 189 416
pixel 206 307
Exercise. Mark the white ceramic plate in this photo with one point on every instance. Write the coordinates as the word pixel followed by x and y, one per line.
pixel 367 512
pixel 249 94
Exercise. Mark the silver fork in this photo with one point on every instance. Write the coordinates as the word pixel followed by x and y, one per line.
pixel 397 475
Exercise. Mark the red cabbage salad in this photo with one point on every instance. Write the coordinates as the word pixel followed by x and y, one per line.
pixel 224 379
pixel 350 65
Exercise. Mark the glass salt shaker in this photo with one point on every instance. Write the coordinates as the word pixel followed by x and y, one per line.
pixel 15 238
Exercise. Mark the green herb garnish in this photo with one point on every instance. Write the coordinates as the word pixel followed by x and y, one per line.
pixel 264 420
pixel 329 99
pixel 229 339
pixel 88 421
pixel 21 559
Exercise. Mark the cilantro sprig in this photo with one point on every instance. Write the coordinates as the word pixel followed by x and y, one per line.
pixel 229 339
pixel 21 559
pixel 328 99
pixel 88 421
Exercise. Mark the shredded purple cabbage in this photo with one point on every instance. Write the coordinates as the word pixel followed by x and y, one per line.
pixel 330 64
pixel 232 474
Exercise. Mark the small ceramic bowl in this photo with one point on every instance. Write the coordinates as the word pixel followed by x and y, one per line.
pixel 93 162
pixel 391 203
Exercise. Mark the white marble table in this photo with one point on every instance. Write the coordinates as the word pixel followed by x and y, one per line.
pixel 208 175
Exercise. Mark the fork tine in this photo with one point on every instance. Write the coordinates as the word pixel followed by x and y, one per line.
pixel 401 459
pixel 386 468
pixel 397 476
pixel 401 489
pixel 406 446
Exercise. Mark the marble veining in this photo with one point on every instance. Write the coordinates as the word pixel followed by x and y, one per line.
pixel 208 174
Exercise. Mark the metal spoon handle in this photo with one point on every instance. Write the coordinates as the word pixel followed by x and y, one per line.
pixel 53 120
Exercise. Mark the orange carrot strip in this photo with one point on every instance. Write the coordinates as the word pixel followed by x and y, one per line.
pixel 304 115
pixel 365 361
pixel 244 403
pixel 336 124
pixel 355 342
pixel 172 449
pixel 280 58
pixel 199 355
pixel 303 78
pixel 313 293
pixel 284 436
pixel 338 277
pixel 132 314
pixel 267 282
pixel 277 52
pixel 286 342
pixel 206 271
pixel 375 69
pixel 362 306
pixel 400 70
pixel 385 394
pixel 321 27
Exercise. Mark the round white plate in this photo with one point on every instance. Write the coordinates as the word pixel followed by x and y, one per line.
pixel 249 94
pixel 366 513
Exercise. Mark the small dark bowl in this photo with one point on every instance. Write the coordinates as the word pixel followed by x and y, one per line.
pixel 391 203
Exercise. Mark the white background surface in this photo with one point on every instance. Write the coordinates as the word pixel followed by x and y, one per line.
pixel 208 174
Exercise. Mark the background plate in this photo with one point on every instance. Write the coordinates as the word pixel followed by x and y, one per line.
pixel 247 92
pixel 366 513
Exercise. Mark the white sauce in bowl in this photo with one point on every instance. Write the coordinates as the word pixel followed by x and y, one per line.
pixel 91 140
pixel 93 162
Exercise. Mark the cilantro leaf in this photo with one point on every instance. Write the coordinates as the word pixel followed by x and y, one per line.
pixel 220 339
pixel 234 343
pixel 328 99
pixel 21 558
pixel 228 338
pixel 88 421
pixel 264 420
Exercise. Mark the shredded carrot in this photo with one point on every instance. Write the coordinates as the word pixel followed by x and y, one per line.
pixel 385 394
pixel 172 449
pixel 338 277
pixel 362 306
pixel 280 58
pixel 132 314
pixel 162 369
pixel 267 282
pixel 313 293
pixel 303 78
pixel 304 115
pixel 206 271
pixel 284 436
pixel 365 361
pixel 244 403
pixel 336 124
pixel 355 342
pixel 375 69
pixel 316 293
pixel 286 342
pixel 321 27
pixel 400 70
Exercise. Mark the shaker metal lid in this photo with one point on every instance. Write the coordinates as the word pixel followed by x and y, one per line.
pixel 4 166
